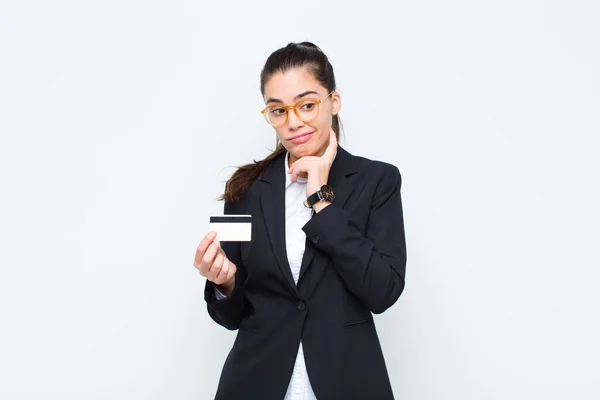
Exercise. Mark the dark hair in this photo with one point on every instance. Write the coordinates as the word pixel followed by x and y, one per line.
pixel 294 55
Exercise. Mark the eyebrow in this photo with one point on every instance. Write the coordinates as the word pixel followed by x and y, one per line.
pixel 272 100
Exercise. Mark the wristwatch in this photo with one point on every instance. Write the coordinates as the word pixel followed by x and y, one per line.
pixel 325 193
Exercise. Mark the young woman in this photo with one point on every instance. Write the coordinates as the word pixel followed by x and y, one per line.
pixel 327 250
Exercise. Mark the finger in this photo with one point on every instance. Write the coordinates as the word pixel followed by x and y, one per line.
pixel 232 270
pixel 223 272
pixel 201 249
pixel 215 268
pixel 331 147
pixel 215 265
pixel 294 171
pixel 300 165
pixel 208 258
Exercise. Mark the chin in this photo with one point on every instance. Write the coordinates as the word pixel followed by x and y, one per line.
pixel 302 152
pixel 309 148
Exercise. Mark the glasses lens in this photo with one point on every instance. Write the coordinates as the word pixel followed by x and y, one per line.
pixel 308 110
pixel 276 115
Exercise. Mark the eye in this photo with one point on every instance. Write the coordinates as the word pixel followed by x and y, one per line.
pixel 308 106
pixel 277 112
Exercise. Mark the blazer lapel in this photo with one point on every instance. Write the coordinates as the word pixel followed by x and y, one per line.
pixel 343 166
pixel 272 201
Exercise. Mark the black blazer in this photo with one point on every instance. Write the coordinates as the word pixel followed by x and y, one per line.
pixel 353 267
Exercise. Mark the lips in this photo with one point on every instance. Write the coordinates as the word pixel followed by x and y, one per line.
pixel 299 136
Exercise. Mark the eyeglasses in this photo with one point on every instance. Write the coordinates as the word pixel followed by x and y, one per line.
pixel 306 110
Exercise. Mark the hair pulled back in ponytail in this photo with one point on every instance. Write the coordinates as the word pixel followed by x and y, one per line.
pixel 294 55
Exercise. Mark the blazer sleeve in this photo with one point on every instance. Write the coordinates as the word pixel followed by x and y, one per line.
pixel 228 311
pixel 372 266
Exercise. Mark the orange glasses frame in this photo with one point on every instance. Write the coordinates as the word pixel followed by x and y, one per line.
pixel 294 107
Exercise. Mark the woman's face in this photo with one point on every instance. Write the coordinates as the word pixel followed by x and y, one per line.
pixel 286 89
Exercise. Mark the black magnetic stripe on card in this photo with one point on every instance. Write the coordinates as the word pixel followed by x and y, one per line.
pixel 230 219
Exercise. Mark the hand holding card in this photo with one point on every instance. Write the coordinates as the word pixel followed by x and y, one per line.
pixel 212 262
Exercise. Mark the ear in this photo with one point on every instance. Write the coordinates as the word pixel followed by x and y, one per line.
pixel 337 103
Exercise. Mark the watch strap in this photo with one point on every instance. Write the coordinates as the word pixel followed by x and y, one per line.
pixel 313 199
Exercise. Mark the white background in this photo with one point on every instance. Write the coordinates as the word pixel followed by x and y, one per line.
pixel 121 120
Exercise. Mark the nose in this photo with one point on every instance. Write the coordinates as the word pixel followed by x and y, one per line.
pixel 293 121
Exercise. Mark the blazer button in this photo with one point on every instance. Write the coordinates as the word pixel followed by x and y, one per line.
pixel 315 239
pixel 301 305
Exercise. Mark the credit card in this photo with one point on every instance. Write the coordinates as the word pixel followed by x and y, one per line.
pixel 232 228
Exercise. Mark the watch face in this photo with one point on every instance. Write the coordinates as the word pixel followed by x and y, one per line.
pixel 328 193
